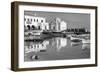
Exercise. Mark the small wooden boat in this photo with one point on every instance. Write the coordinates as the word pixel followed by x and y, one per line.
pixel 85 38
pixel 75 39
pixel 75 43
pixel 85 41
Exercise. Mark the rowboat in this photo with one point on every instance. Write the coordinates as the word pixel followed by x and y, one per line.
pixel 85 41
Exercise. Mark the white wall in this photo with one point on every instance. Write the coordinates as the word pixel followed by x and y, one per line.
pixel 5 31
pixel 63 25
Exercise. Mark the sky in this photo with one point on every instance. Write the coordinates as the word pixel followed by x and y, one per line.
pixel 74 20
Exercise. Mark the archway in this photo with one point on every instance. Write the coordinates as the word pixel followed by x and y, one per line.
pixel 33 27
pixel 28 26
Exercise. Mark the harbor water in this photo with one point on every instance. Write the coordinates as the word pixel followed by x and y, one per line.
pixel 56 48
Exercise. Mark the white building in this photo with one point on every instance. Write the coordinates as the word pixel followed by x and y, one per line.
pixel 39 23
pixel 35 23
pixel 63 25
pixel 58 25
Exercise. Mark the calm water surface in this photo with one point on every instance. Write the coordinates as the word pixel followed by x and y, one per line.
pixel 57 48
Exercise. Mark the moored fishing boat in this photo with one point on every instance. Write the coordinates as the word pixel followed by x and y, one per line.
pixel 85 41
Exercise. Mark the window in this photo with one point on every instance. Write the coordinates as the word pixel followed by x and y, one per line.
pixel 28 26
pixel 31 20
pixel 28 19
pixel 33 27
pixel 34 20
pixel 34 46
pixel 37 20
pixel 41 20
pixel 54 28
pixel 42 45
pixel 39 27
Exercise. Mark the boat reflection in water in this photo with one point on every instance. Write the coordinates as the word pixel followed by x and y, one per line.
pixel 85 46
pixel 57 48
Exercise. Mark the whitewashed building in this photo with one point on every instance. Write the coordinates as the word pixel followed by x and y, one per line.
pixel 35 23
pixel 63 26
pixel 39 24
pixel 58 25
